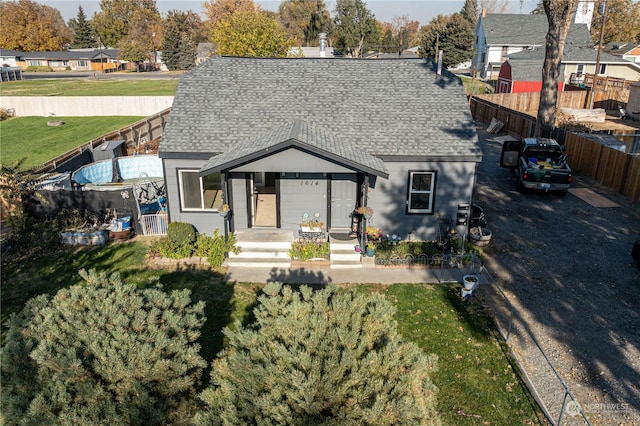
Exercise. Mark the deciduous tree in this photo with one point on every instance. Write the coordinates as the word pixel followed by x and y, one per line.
pixel 304 20
pixel 320 357
pixel 114 21
pixel 30 27
pixel 560 15
pixel 453 35
pixel 217 10
pixel 102 353
pixel 355 27
pixel 251 33
pixel 623 21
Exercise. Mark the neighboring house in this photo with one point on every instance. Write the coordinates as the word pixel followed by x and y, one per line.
pixel 10 58
pixel 319 137
pixel 499 36
pixel 522 72
pixel 632 55
pixel 204 52
pixel 9 62
pixel 75 59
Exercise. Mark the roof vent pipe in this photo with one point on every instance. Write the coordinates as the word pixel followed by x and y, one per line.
pixel 439 62
pixel 323 44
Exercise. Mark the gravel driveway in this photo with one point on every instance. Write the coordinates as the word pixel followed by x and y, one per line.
pixel 567 269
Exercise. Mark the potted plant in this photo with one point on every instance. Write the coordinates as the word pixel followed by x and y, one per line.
pixel 365 211
pixel 373 233
pixel 224 210
pixel 371 249
pixel 312 226
pixel 470 282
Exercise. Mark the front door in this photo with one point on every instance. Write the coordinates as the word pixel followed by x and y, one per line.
pixel 265 199
pixel 344 189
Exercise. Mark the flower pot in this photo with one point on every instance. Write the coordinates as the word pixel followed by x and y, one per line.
pixel 466 293
pixel 480 236
pixel 370 252
pixel 223 214
pixel 357 248
pixel 470 282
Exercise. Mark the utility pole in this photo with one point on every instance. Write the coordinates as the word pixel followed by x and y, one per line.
pixel 603 12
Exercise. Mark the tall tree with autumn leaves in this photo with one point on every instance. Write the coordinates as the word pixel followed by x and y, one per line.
pixel 30 27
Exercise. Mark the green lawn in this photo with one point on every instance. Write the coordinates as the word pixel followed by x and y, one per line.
pixel 31 138
pixel 474 86
pixel 475 374
pixel 90 87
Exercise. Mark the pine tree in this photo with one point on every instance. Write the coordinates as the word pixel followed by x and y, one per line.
pixel 320 358
pixel 470 11
pixel 182 33
pixel 82 31
pixel 104 353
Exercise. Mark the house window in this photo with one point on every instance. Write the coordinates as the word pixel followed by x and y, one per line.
pixel 505 51
pixel 421 194
pixel 198 193
pixel 603 69
pixel 82 63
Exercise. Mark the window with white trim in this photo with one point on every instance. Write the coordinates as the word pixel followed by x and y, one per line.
pixel 199 193
pixel 603 69
pixel 421 194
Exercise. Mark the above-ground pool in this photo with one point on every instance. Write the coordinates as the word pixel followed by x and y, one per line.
pixel 120 169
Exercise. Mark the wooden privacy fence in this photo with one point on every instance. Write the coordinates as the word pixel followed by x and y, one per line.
pixel 516 123
pixel 528 102
pixel 613 168
pixel 145 130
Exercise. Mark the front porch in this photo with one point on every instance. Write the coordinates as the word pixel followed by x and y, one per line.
pixel 269 247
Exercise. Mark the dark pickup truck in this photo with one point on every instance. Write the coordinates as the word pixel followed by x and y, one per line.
pixel 540 163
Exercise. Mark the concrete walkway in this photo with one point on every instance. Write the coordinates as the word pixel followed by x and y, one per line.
pixel 347 275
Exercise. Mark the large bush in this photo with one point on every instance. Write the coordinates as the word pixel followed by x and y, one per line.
pixel 105 353
pixel 213 248
pixel 320 358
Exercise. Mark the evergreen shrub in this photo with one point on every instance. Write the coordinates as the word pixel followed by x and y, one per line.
pixel 181 233
pixel 215 248
pixel 320 358
pixel 104 353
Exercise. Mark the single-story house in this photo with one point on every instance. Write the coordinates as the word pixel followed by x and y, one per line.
pixel 74 59
pixel 522 72
pixel 10 58
pixel 279 140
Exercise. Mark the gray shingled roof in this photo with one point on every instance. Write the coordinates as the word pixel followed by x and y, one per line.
pixel 527 65
pixel 385 108
pixel 503 29
pixel 301 135
pixel 571 54
pixel 73 54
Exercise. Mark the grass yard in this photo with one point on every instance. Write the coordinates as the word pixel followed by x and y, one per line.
pixel 474 86
pixel 477 382
pixel 90 87
pixel 31 138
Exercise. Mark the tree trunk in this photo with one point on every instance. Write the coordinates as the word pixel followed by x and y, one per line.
pixel 559 14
